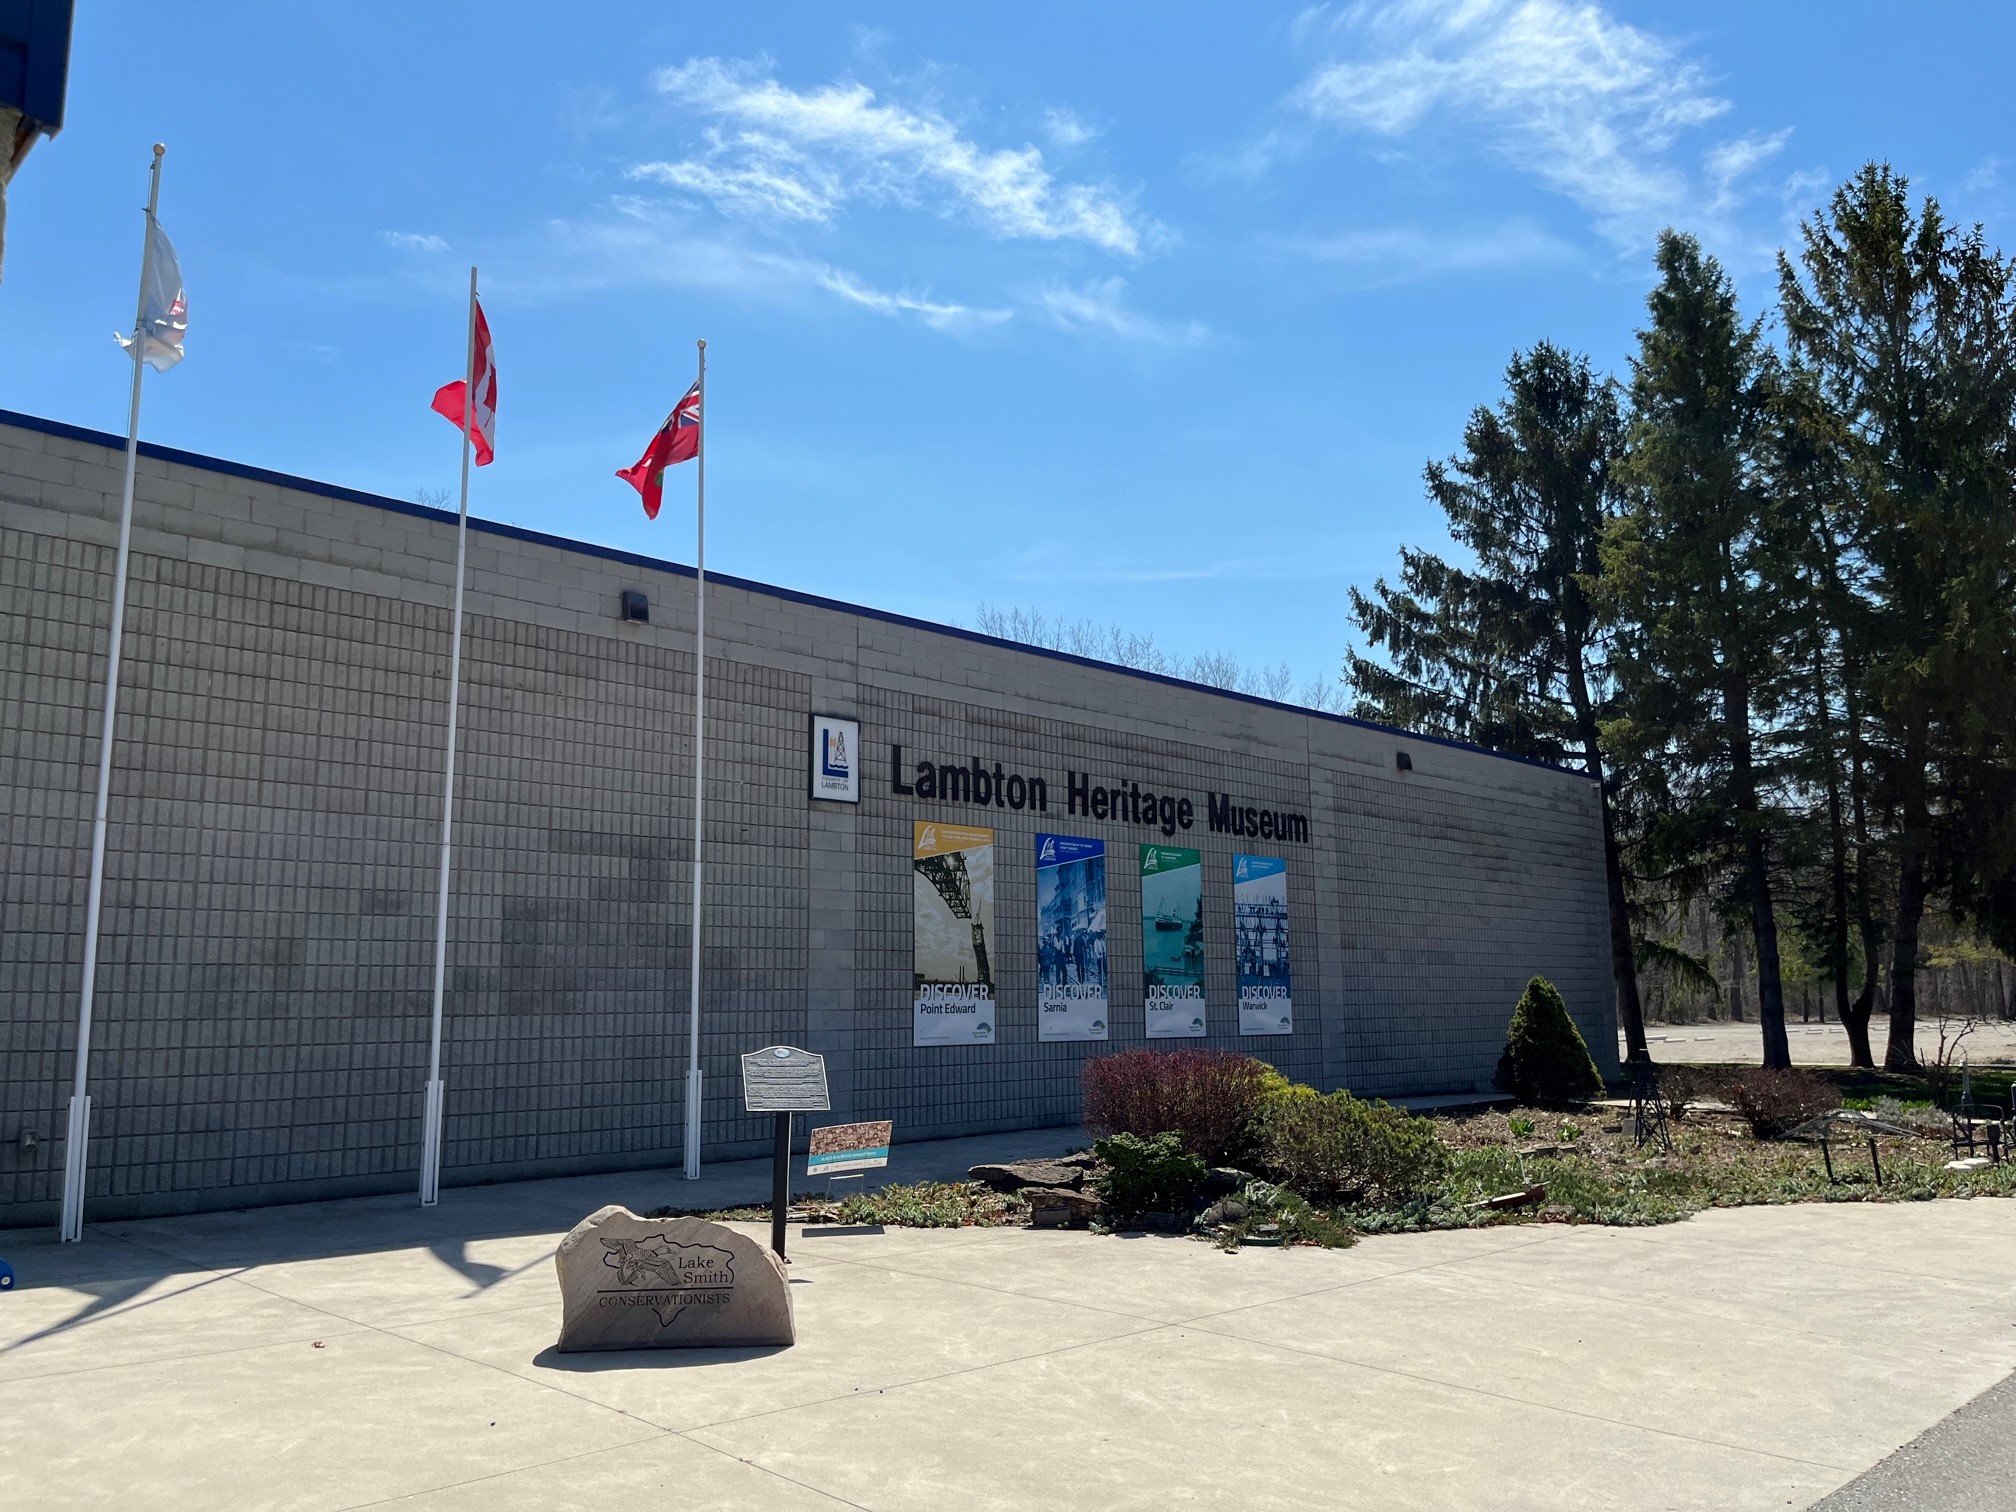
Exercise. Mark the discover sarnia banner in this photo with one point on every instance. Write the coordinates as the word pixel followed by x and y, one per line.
pixel 952 895
pixel 1260 933
pixel 1172 941
pixel 1070 938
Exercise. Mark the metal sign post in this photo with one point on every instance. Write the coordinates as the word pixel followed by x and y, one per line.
pixel 783 1080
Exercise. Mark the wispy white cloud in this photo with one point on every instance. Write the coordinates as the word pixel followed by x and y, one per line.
pixel 413 241
pixel 1065 129
pixel 936 314
pixel 1101 307
pixel 1385 255
pixel 755 175
pixel 640 244
pixel 1983 176
pixel 1590 106
pixel 1728 163
pixel 805 153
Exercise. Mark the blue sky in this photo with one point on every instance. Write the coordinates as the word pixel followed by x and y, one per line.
pixel 1148 313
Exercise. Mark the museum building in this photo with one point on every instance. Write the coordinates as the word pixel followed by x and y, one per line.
pixel 955 866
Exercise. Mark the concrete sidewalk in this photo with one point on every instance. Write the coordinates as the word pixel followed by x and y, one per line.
pixel 364 1353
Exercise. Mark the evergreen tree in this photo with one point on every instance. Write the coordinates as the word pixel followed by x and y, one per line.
pixel 1546 1062
pixel 1906 325
pixel 1695 574
pixel 1509 653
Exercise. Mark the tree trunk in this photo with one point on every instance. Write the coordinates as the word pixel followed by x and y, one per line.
pixel 1756 875
pixel 1623 954
pixel 1913 841
pixel 1837 873
pixel 1737 971
pixel 1860 1052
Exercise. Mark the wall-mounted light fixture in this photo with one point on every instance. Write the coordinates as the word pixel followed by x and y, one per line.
pixel 636 607
pixel 1403 761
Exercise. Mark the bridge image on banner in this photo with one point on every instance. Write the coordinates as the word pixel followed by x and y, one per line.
pixel 952 892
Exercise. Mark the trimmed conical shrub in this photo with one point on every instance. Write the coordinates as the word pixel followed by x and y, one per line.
pixel 1546 1061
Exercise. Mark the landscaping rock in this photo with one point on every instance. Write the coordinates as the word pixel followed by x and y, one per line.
pixel 668 1283
pixel 1220 1180
pixel 1226 1210
pixel 1078 1207
pixel 1015 1176
pixel 1164 1223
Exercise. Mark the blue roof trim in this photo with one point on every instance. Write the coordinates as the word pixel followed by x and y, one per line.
pixel 769 590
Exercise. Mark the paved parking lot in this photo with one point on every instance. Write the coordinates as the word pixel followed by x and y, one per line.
pixel 366 1353
pixel 1816 1044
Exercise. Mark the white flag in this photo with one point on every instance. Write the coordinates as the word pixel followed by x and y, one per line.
pixel 166 317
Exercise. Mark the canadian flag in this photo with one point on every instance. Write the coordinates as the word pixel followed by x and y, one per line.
pixel 449 398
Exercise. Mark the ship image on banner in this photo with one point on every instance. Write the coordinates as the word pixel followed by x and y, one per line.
pixel 1260 935
pixel 1070 938
pixel 1172 941
pixel 952 903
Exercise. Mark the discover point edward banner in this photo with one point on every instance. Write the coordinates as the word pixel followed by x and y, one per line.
pixel 1070 938
pixel 1172 941
pixel 952 904
pixel 1260 936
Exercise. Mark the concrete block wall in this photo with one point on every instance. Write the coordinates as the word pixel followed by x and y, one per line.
pixel 266 958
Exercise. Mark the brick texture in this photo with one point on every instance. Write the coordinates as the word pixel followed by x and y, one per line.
pixel 262 1008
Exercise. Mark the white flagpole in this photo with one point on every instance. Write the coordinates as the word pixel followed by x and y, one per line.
pixel 77 1138
pixel 693 1076
pixel 430 1134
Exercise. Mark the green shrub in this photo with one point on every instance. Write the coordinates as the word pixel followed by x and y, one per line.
pixel 1152 1175
pixel 1546 1061
pixel 1339 1149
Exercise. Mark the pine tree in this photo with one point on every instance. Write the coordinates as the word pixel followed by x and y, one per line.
pixel 1694 576
pixel 1907 327
pixel 1510 653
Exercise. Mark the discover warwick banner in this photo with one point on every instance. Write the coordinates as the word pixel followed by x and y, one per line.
pixel 952 893
pixel 1070 938
pixel 1172 941
pixel 1260 932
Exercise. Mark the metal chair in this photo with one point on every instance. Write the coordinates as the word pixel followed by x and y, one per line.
pixel 1978 1122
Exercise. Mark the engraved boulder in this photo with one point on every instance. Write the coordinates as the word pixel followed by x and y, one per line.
pixel 668 1283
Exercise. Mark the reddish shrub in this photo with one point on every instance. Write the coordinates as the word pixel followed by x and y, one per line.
pixel 1774 1103
pixel 1209 1097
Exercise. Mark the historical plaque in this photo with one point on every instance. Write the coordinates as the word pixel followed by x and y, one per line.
pixel 782 1079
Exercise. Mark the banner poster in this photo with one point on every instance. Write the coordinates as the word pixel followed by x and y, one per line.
pixel 952 904
pixel 1260 935
pixel 1070 938
pixel 1172 941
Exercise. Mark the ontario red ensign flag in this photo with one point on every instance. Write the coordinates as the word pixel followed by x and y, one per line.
pixel 678 439
pixel 449 398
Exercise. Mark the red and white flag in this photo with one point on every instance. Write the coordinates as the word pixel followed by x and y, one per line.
pixel 678 440
pixel 448 399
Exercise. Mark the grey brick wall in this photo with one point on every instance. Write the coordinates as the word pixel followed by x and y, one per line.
pixel 262 1008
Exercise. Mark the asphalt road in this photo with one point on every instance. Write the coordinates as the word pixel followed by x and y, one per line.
pixel 1967 1461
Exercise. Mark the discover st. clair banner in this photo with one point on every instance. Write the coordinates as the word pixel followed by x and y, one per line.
pixel 1070 938
pixel 1260 935
pixel 1172 941
pixel 952 893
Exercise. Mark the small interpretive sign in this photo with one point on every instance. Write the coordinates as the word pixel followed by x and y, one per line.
pixel 782 1079
pixel 848 1147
